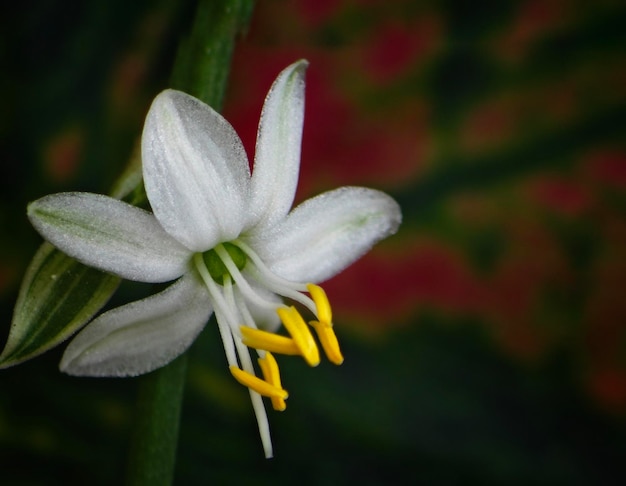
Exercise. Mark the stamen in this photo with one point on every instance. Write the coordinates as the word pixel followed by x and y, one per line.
pixel 273 282
pixel 258 339
pixel 247 318
pixel 324 312
pixel 221 310
pixel 240 280
pixel 269 367
pixel 329 341
pixel 226 315
pixel 255 397
pixel 257 384
pixel 300 333
pixel 268 275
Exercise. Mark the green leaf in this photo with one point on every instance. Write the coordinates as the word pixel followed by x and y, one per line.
pixel 129 185
pixel 58 296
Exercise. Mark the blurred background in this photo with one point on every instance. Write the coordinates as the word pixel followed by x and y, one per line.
pixel 484 344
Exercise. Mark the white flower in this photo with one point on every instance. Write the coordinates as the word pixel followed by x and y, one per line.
pixel 228 237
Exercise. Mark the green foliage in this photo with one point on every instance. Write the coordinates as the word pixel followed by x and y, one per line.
pixel 58 296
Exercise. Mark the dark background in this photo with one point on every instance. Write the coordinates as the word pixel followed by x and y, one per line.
pixel 484 344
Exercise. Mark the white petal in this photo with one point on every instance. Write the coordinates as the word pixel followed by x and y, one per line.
pixel 195 171
pixel 325 234
pixel 277 157
pixel 141 336
pixel 111 235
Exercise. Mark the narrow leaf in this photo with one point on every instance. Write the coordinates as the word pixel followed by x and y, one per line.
pixel 58 296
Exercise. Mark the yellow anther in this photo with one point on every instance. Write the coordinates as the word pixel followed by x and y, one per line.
pixel 258 339
pixel 269 367
pixel 324 312
pixel 300 333
pixel 329 341
pixel 258 385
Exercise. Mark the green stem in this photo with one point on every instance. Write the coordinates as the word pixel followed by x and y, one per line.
pixel 201 69
pixel 153 449
pixel 204 57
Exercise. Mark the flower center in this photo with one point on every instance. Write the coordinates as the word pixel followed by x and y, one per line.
pixel 245 302
pixel 215 265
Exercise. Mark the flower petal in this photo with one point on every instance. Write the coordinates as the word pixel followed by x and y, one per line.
pixel 141 336
pixel 195 171
pixel 325 234
pixel 277 157
pixel 110 235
